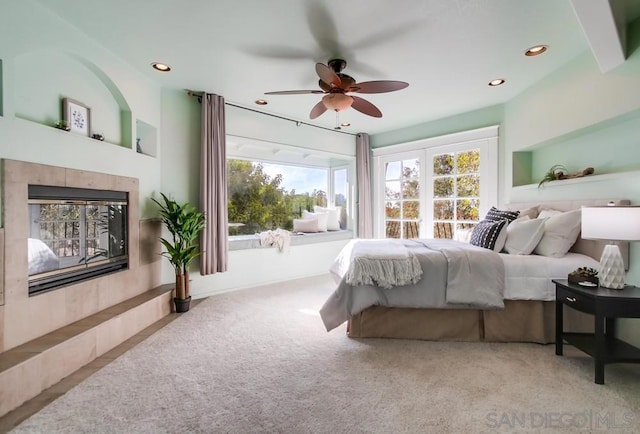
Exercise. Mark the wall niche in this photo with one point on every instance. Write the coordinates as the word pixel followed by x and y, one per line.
pixel 581 149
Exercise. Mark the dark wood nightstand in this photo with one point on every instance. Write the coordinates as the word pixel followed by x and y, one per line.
pixel 606 305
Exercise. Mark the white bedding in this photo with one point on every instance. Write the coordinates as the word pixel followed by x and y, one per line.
pixel 456 275
pixel 41 258
pixel 528 277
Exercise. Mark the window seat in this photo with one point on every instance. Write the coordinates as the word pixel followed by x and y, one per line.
pixel 242 242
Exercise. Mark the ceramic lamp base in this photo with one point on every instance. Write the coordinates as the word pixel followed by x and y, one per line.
pixel 611 274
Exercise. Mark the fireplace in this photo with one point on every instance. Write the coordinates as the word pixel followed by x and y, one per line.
pixel 75 234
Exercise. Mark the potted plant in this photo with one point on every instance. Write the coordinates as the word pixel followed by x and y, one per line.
pixel 184 223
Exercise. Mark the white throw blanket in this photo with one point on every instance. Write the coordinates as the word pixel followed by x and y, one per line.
pixel 280 238
pixel 385 263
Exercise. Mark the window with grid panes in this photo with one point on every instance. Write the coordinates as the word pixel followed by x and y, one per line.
pixel 456 192
pixel 402 198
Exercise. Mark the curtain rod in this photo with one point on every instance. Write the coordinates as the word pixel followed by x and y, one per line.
pixel 297 122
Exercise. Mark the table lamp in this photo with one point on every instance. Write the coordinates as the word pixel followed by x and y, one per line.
pixel 611 223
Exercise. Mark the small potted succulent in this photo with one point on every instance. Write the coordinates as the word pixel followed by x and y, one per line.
pixel 184 223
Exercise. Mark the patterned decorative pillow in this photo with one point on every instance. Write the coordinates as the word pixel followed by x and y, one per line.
pixel 490 234
pixel 496 214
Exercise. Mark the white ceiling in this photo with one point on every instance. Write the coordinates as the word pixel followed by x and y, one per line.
pixel 447 50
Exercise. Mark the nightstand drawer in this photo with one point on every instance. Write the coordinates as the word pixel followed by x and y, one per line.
pixel 576 301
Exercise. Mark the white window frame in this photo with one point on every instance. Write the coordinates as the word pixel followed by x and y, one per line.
pixel 380 182
pixel 484 139
pixel 255 150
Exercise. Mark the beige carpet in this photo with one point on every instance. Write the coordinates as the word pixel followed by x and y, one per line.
pixel 260 360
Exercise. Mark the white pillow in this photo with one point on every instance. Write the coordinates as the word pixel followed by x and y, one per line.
pixel 305 225
pixel 560 233
pixel 528 212
pixel 547 212
pixel 523 235
pixel 320 216
pixel 463 235
pixel 333 217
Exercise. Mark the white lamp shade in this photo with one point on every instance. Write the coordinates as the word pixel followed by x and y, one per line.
pixel 612 223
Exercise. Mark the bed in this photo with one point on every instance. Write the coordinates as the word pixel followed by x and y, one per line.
pixel 524 313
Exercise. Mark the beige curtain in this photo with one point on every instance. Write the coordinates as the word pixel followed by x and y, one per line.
pixel 363 176
pixel 213 186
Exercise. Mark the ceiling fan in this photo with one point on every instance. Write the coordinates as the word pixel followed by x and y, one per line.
pixel 337 88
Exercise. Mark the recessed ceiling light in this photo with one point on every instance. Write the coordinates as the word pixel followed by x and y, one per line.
pixel 261 102
pixel 161 67
pixel 345 124
pixel 496 82
pixel 534 51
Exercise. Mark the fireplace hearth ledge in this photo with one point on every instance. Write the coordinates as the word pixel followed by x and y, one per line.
pixel 34 366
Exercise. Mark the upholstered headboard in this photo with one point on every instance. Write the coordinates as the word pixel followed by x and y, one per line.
pixel 591 248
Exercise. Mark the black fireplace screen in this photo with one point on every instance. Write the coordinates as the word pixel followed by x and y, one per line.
pixel 74 235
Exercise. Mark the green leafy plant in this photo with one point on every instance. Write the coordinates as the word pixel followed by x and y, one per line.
pixel 184 223
pixel 552 174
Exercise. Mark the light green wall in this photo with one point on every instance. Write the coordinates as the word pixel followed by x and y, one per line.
pixel 84 71
pixel 466 121
pixel 621 142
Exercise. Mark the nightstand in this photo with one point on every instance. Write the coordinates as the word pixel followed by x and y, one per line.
pixel 605 305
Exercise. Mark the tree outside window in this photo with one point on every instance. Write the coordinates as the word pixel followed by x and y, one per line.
pixel 456 192
pixel 264 196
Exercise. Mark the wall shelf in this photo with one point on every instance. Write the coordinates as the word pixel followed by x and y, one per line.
pixel 589 178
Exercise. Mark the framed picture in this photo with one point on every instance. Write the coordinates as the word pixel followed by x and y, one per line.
pixel 77 116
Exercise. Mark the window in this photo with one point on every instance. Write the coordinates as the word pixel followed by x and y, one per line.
pixel 340 189
pixel 402 198
pixel 455 191
pixel 270 184
pixel 435 188
pixel 264 196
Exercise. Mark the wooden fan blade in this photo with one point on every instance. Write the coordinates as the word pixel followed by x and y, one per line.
pixel 293 92
pixel 317 110
pixel 327 75
pixel 380 86
pixel 364 106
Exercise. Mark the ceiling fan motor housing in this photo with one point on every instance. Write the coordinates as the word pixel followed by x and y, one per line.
pixel 337 64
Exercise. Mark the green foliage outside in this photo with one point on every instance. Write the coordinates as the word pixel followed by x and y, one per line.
pixel 456 188
pixel 257 202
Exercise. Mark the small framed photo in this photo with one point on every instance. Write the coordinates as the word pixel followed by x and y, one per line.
pixel 77 116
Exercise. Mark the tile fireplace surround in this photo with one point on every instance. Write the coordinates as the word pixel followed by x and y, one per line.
pixel 24 318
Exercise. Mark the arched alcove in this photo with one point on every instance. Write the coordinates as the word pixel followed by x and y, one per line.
pixel 41 79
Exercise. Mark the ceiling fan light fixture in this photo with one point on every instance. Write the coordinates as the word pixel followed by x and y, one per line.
pixel 497 82
pixel 536 50
pixel 337 101
pixel 162 67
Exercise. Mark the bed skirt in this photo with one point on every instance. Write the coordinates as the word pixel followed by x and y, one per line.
pixel 519 321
